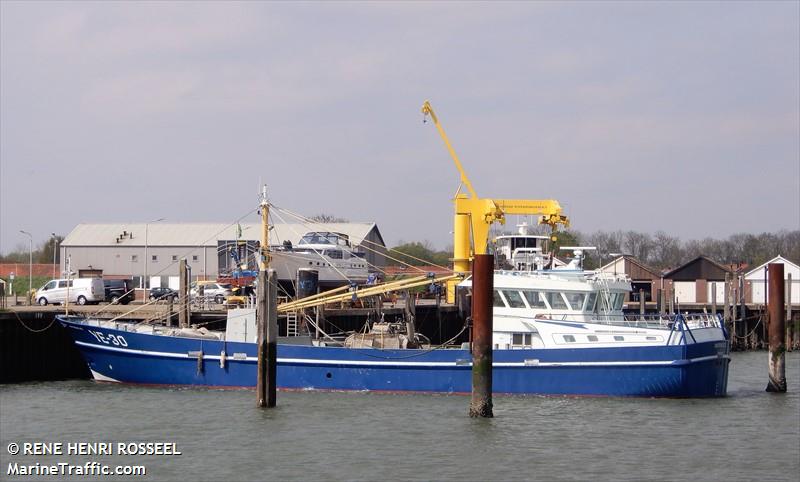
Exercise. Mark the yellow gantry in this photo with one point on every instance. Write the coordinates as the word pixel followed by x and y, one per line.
pixel 474 215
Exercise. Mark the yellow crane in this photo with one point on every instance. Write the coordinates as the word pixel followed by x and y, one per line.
pixel 475 215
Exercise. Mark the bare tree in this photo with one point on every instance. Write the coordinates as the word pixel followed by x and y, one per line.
pixel 667 251
pixel 639 245
pixel 606 243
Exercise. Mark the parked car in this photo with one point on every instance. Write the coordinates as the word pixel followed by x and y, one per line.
pixel 80 291
pixel 163 293
pixel 210 290
pixel 119 291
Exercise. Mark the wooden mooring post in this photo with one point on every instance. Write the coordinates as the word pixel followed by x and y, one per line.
pixel 267 319
pixel 714 298
pixel 777 331
pixel 183 289
pixel 790 328
pixel 641 303
pixel 672 301
pixel 169 311
pixel 410 312
pixel 726 307
pixel 482 294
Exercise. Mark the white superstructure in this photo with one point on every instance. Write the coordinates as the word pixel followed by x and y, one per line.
pixel 573 308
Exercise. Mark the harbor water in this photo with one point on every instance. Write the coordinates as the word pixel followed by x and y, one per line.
pixel 221 435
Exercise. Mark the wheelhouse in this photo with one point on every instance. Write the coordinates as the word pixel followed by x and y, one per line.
pixel 325 238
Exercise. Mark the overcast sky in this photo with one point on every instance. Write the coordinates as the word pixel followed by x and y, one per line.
pixel 675 116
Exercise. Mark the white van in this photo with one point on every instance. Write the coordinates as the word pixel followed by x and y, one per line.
pixel 81 291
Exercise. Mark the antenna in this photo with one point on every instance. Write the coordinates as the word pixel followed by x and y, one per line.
pixel 578 252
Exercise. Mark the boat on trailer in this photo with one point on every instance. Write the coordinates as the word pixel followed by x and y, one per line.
pixel 556 332
pixel 329 253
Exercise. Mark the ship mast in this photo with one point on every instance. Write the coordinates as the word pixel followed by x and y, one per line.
pixel 264 209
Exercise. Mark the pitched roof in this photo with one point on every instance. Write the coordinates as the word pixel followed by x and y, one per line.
pixel 701 267
pixel 634 261
pixel 202 234
pixel 776 259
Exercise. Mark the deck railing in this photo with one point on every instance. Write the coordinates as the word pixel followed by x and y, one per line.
pixel 656 321
pixel 667 321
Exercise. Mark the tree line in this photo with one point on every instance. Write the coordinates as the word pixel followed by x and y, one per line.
pixel 43 253
pixel 660 250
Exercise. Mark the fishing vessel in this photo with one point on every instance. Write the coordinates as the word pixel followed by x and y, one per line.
pixel 558 331
pixel 555 333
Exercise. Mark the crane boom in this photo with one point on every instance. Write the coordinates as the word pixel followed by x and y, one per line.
pixel 474 216
pixel 427 110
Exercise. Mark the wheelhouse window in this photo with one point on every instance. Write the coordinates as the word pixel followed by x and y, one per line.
pixel 569 338
pixel 555 300
pixel 337 239
pixel 618 300
pixel 535 299
pixel 575 300
pixel 613 302
pixel 514 299
pixel 497 300
pixel 590 301
pixel 592 337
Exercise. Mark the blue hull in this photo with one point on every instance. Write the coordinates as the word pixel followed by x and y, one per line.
pixel 695 370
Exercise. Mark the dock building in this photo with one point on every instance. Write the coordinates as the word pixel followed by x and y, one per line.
pixel 150 253
pixel 694 281
pixel 644 279
pixel 756 289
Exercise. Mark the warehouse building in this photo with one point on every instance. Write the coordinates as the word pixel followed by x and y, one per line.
pixel 153 251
